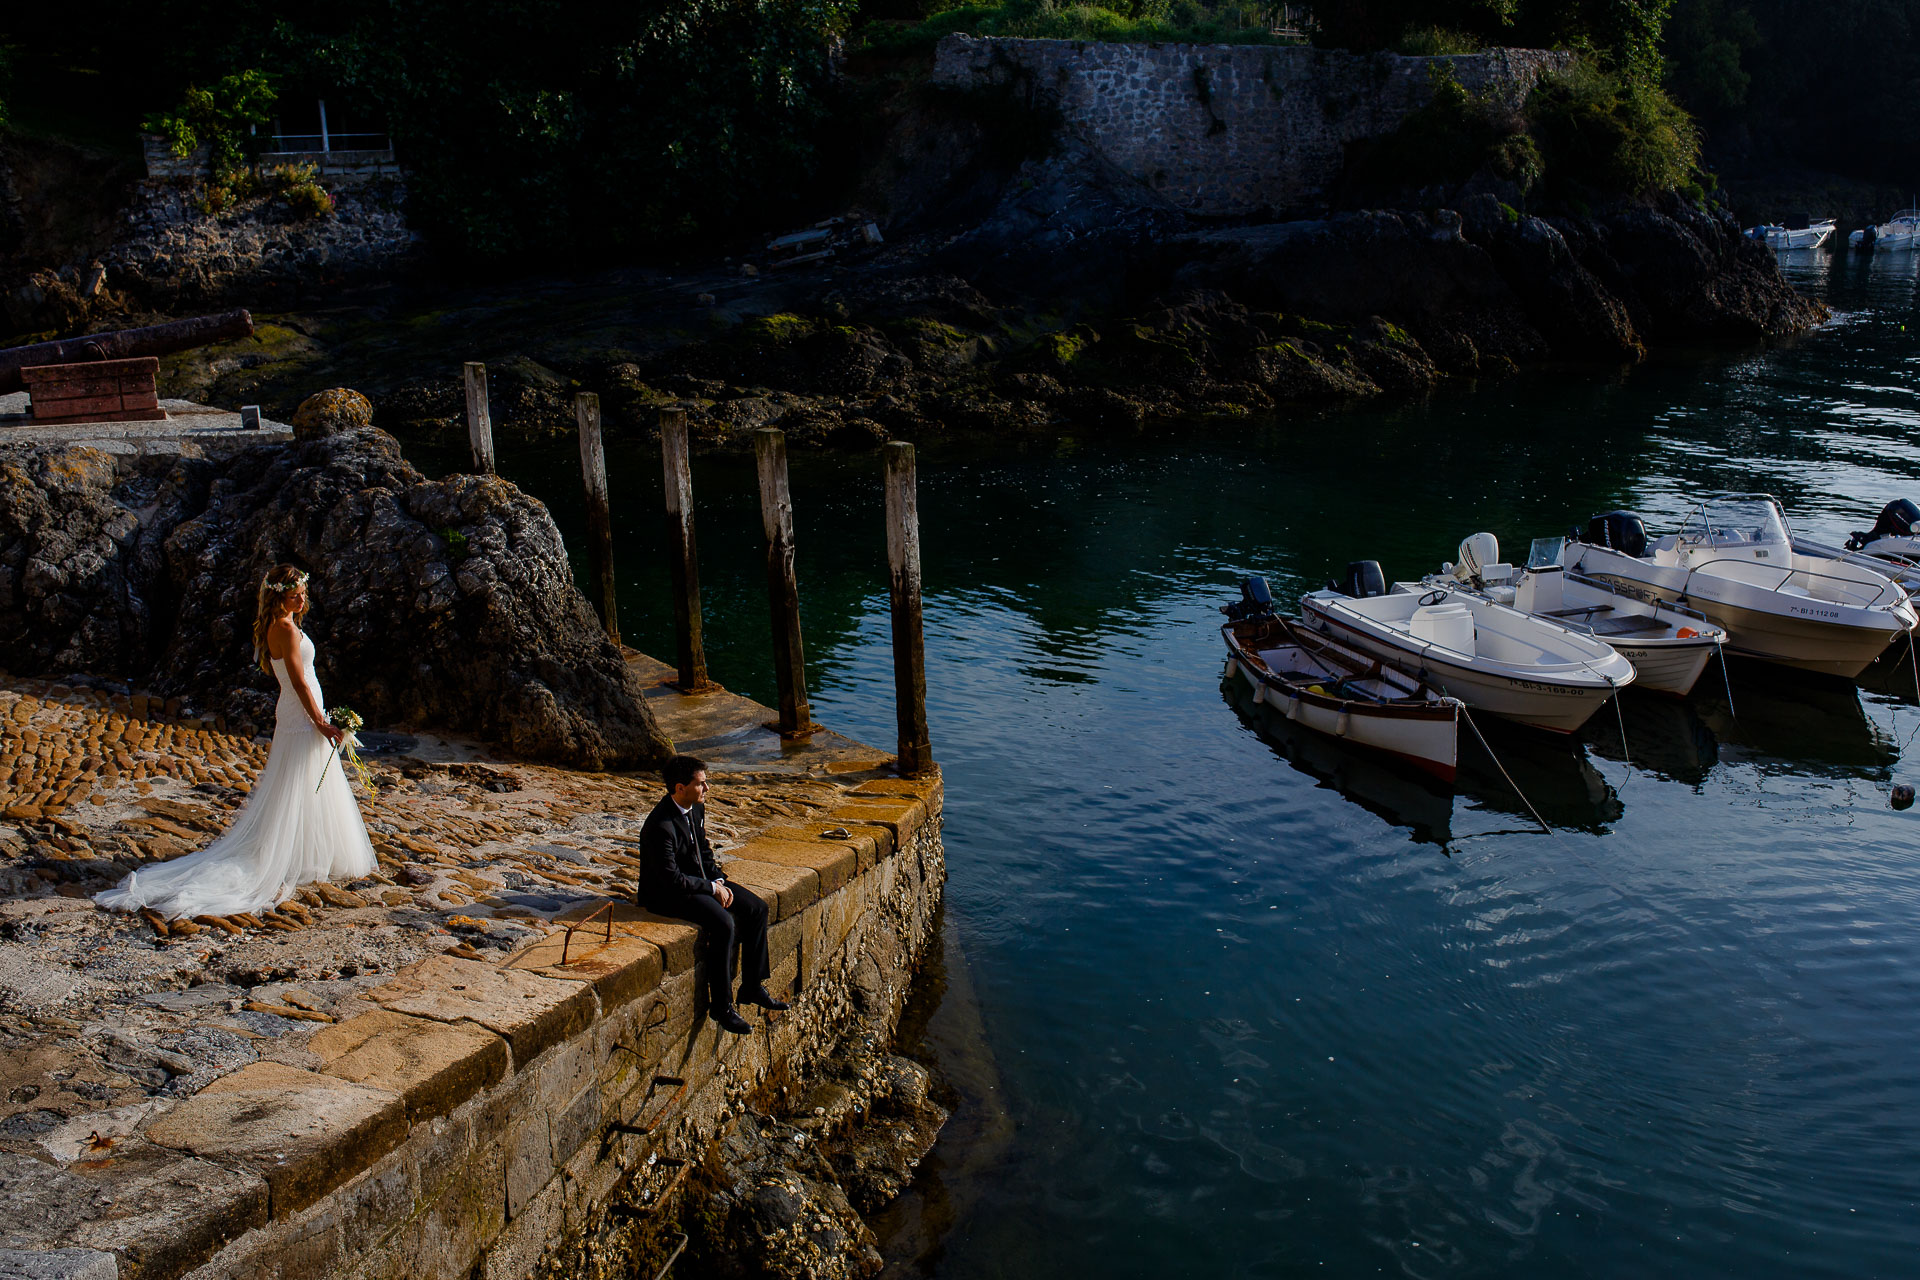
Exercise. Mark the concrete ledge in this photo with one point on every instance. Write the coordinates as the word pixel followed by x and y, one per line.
pixel 304 1133
pixel 433 1066
pixel 531 1012
pixel 834 863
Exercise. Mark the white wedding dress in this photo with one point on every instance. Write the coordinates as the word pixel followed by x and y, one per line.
pixel 286 835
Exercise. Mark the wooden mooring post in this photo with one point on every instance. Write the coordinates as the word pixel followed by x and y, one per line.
pixel 681 554
pixel 593 472
pixel 909 643
pixel 479 419
pixel 783 591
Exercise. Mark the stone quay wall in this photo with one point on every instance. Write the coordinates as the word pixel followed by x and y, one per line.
pixel 1227 129
pixel 493 1110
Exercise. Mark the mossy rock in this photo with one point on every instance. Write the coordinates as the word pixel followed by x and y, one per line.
pixel 780 328
pixel 329 412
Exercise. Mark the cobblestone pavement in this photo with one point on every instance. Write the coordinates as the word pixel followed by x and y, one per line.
pixel 104 1013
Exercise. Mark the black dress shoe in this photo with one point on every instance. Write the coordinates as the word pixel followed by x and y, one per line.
pixel 730 1020
pixel 758 995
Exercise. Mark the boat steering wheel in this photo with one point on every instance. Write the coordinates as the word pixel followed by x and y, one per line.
pixel 1433 597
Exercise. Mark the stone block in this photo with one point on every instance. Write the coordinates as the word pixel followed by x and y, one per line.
pixel 574 1125
pixel 835 863
pixel 530 1011
pixel 902 815
pixel 58 1264
pixel 529 1164
pixel 433 1066
pixel 303 1132
pixel 926 790
pixel 540 1223
pixel 869 843
pixel 620 971
pixel 786 890
pixel 161 1212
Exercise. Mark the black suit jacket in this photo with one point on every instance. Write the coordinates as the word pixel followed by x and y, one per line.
pixel 676 861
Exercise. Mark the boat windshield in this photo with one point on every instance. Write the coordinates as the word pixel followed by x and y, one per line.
pixel 1736 519
pixel 1545 553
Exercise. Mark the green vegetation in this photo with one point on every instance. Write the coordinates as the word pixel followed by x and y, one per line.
pixel 218 118
pixel 1602 132
pixel 1164 21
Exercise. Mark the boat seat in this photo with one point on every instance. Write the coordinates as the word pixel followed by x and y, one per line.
pixel 1579 610
pixel 1630 626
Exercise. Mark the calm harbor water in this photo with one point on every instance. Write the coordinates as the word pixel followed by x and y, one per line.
pixel 1258 1008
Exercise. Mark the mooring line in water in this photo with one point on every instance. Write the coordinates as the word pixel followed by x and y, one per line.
pixel 1509 777
pixel 1720 647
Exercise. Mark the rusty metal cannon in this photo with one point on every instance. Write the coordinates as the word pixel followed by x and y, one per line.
pixel 123 344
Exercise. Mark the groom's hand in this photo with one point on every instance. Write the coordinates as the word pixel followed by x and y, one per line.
pixel 723 893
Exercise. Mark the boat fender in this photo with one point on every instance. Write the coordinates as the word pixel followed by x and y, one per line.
pixel 1686 633
pixel 1233 669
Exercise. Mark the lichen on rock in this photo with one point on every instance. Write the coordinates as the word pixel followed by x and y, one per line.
pixel 329 412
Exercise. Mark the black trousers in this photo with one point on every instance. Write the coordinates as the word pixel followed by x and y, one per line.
pixel 743 925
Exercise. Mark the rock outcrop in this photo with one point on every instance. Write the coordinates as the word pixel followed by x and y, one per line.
pixel 445 603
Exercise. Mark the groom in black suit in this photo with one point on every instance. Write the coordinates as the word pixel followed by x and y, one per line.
pixel 679 877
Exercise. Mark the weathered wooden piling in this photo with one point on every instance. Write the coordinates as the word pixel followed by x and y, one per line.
pixel 783 590
pixel 593 473
pixel 479 419
pixel 682 557
pixel 909 644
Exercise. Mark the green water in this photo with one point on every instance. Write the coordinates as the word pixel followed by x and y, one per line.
pixel 1254 1007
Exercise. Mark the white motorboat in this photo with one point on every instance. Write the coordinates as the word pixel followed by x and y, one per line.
pixel 1735 561
pixel 1811 236
pixel 1668 644
pixel 1315 681
pixel 1901 231
pixel 1895 535
pixel 1491 657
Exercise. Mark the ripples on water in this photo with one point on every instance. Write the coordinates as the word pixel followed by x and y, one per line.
pixel 1259 1007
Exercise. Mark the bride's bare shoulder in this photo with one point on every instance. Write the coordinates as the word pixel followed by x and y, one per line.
pixel 282 635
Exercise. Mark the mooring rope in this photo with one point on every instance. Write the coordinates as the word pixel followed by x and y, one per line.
pixel 1464 715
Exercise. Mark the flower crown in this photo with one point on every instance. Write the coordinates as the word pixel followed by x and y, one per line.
pixel 298 580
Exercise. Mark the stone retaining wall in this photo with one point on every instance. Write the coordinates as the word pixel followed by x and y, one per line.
pixel 463 1123
pixel 1227 129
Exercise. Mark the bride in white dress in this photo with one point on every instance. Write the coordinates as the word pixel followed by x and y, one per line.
pixel 287 834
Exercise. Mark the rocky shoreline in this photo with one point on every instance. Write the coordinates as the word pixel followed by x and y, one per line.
pixel 1061 315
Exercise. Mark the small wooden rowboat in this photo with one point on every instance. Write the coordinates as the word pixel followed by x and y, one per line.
pixel 1323 685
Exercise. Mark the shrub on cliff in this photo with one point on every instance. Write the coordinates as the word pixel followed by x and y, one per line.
pixel 1604 132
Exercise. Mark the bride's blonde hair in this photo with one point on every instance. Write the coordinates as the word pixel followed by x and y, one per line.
pixel 280 579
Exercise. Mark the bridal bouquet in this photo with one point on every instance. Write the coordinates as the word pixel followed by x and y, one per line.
pixel 348 719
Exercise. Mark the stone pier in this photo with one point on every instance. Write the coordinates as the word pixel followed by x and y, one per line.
pixel 464 1065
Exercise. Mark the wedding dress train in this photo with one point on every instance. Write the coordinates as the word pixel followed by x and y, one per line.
pixel 286 835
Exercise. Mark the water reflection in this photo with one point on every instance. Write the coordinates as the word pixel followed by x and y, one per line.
pixel 1399 796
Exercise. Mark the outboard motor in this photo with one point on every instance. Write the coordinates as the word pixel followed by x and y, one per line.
pixel 1477 551
pixel 1255 603
pixel 1620 531
pixel 1363 579
pixel 1898 519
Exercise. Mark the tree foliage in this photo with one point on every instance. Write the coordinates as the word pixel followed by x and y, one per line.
pixel 558 127
pixel 219 118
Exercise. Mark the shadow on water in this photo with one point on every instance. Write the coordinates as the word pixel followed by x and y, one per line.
pixel 1398 795
pixel 941 1026
pixel 1516 774
pixel 1781 719
pixel 1665 736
